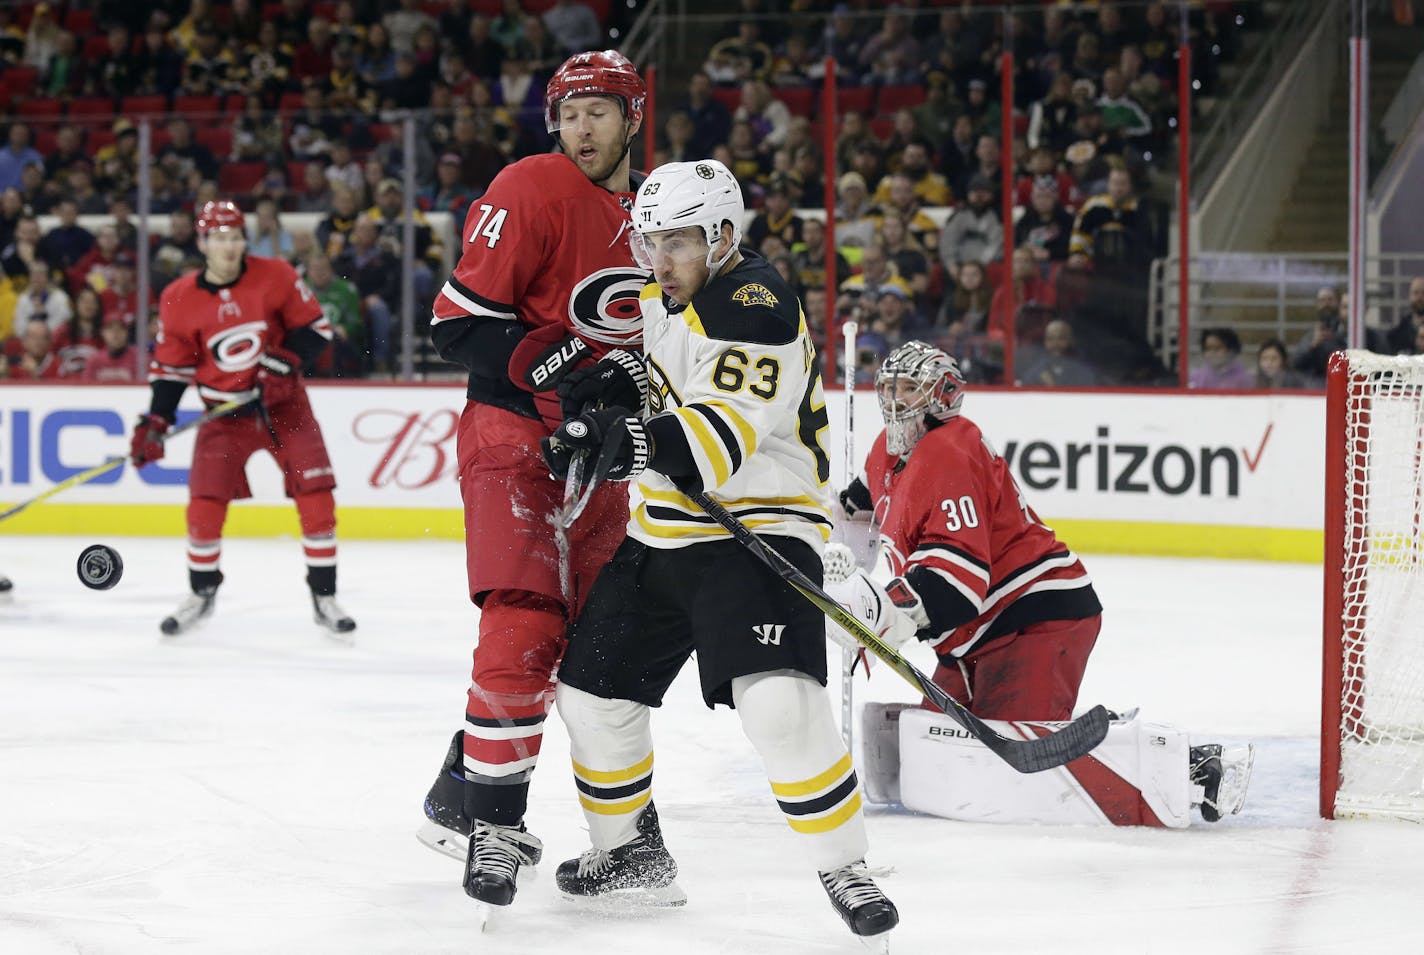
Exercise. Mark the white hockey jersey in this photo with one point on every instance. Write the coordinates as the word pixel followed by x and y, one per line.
pixel 738 372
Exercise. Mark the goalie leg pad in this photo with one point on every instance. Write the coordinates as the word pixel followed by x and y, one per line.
pixel 1137 776
pixel 611 745
pixel 787 716
pixel 880 751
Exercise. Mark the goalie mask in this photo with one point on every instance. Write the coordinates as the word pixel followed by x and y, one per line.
pixel 677 195
pixel 916 384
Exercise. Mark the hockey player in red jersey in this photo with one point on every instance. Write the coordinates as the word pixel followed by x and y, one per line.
pixel 242 327
pixel 1011 614
pixel 546 282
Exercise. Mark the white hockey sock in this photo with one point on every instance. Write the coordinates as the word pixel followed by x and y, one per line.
pixel 612 750
pixel 787 717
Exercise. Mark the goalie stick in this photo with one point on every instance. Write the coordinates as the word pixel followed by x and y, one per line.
pixel 848 655
pixel 1076 739
pixel 217 411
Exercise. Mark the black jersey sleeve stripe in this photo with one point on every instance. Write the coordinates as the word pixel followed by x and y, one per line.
pixel 724 431
pixel 957 551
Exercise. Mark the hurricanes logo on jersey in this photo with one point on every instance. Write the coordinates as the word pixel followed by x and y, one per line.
pixel 604 307
pixel 754 294
pixel 239 347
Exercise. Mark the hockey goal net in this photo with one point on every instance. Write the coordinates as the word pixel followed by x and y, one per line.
pixel 1372 726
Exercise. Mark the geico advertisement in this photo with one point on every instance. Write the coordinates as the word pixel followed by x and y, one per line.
pixel 1254 461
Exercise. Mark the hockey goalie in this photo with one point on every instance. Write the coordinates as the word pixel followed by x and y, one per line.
pixel 1012 616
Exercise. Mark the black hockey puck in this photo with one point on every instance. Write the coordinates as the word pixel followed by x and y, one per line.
pixel 100 567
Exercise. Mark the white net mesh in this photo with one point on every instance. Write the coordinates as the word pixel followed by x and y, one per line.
pixel 1382 686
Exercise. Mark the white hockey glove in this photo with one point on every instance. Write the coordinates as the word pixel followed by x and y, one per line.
pixel 893 621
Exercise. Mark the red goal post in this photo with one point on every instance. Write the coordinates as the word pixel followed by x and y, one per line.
pixel 1372 693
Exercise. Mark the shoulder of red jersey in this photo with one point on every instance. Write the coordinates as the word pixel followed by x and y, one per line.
pixel 542 177
pixel 261 266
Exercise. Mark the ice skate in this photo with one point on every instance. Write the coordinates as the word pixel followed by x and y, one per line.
pixel 641 872
pixel 329 614
pixel 193 608
pixel 1223 773
pixel 861 904
pixel 492 866
pixel 447 828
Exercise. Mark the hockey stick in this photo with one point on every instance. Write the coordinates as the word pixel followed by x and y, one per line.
pixel 217 411
pixel 1027 756
pixel 848 654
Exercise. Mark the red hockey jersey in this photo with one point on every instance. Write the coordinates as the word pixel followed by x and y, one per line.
pixel 956 526
pixel 212 335
pixel 546 246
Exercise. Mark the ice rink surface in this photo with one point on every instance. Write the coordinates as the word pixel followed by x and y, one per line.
pixel 254 786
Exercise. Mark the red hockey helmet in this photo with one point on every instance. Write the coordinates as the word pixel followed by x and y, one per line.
pixel 219 214
pixel 597 73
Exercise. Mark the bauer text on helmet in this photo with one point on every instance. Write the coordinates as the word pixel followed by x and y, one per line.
pixel 916 384
pixel 597 73
pixel 680 195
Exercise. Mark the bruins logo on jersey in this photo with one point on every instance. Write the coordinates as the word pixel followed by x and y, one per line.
pixel 754 294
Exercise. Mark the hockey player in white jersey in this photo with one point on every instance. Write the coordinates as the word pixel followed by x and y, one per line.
pixel 731 406
pixel 1011 613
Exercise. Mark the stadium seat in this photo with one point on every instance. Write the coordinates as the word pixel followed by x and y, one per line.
pixel 92 110
pixel 296 174
pixel 41 109
pixel 883 129
pixel 240 177
pixel 96 47
pixel 800 100
pixel 861 99
pixel 203 108
pixel 218 139
pixel 80 22
pixel 99 138
pixel 892 98
pixel 289 103
pixel 728 96
pixel 44 140
pixel 136 106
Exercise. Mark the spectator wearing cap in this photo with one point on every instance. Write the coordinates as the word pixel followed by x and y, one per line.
pixel 116 165
pixel 447 193
pixel 982 110
pixel 1089 127
pixel 209 66
pixel 868 160
pixel 116 360
pixel 17 154
pixel 776 217
pixel 809 257
pixel 974 232
pixel 42 39
pixel 856 215
pixel 1045 227
pixel 96 267
pixel 894 321
pixel 1042 169
pixel 1087 170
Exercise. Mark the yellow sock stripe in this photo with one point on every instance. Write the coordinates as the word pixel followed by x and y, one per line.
pixel 598 777
pixel 711 448
pixel 748 435
pixel 827 823
pixel 621 808
pixel 815 784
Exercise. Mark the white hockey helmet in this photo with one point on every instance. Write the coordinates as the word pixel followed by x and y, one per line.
pixel 915 384
pixel 680 194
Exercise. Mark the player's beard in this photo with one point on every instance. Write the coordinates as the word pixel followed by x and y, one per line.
pixel 603 168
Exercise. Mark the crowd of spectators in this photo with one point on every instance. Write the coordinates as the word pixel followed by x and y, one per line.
pixel 297 107
pixel 290 106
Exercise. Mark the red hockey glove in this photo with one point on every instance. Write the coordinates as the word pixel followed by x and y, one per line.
pixel 147 442
pixel 278 376
pixel 541 360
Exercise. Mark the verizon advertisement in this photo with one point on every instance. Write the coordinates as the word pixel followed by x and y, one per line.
pixel 1240 460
